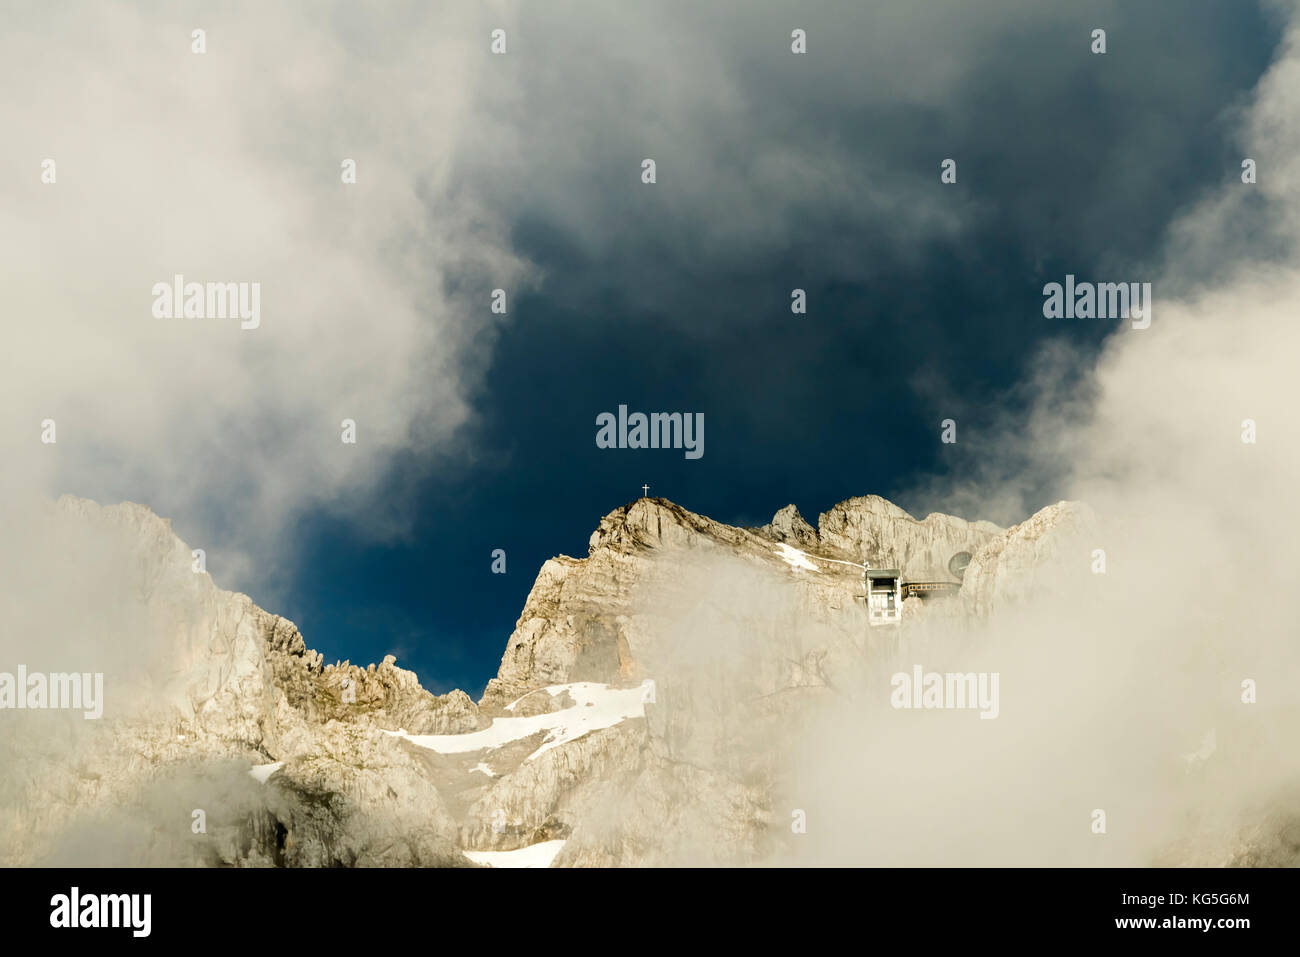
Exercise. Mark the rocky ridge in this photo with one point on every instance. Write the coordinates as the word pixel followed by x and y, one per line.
pixel 726 637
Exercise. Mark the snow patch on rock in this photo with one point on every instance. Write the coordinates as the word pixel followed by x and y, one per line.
pixel 534 855
pixel 795 558
pixel 261 773
pixel 595 706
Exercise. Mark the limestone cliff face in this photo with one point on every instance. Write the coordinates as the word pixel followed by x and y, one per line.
pixel 788 525
pixel 649 707
pixel 742 631
pixel 1019 562
pixel 198 678
pixel 877 531
pixel 548 797
pixel 575 623
pixel 578 622
pixel 214 686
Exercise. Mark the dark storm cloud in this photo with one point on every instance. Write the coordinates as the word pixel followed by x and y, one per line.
pixel 775 171
pixel 829 161
pixel 821 172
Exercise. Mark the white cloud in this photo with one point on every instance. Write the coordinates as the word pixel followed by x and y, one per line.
pixel 225 166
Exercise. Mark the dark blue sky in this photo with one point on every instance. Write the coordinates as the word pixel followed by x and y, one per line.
pixel 1067 163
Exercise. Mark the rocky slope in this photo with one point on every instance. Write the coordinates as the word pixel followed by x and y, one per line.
pixel 201 684
pixel 578 622
pixel 648 709
pixel 1020 562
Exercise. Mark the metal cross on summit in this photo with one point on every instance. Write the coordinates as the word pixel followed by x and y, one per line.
pixel 644 490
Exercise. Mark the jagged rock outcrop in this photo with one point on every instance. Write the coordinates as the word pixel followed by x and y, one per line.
pixel 579 623
pixel 878 531
pixel 357 797
pixel 224 685
pixel 1023 559
pixel 740 647
pixel 673 814
pixel 574 626
pixel 548 796
pixel 541 702
pixel 194 673
pixel 388 697
pixel 741 629
pixel 788 525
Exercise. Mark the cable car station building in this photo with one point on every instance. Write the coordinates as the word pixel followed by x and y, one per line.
pixel 884 595
pixel 886 591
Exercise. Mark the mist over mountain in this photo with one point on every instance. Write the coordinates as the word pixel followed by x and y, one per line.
pixel 687 693
pixel 1028 271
